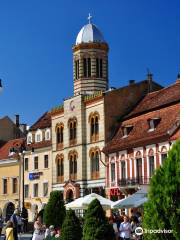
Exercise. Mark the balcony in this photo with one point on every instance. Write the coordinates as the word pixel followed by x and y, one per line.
pixel 94 138
pixel 95 175
pixel 73 176
pixel 60 179
pixel 59 146
pixel 72 142
pixel 133 182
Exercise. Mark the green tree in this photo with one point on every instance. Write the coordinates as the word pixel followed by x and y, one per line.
pixel 71 228
pixel 162 211
pixel 54 212
pixel 96 226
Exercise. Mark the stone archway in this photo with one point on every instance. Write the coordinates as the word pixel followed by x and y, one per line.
pixel 71 191
pixel 69 196
pixel 8 210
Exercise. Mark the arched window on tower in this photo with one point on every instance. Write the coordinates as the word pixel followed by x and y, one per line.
pixel 94 126
pixel 60 168
pixel 94 158
pixel 99 68
pixel 73 165
pixel 76 69
pixel 72 123
pixel 59 135
pixel 87 67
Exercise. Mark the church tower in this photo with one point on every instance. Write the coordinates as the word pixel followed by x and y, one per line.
pixel 90 61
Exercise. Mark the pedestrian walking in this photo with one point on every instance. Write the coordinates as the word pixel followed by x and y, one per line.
pixel 1 223
pixel 39 230
pixel 24 216
pixel 125 229
pixel 14 220
pixel 9 231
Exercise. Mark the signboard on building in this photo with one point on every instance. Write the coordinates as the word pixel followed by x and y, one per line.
pixel 115 192
pixel 35 175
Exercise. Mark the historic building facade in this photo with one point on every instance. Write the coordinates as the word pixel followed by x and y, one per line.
pixel 142 142
pixel 86 121
pixel 9 177
pixel 38 166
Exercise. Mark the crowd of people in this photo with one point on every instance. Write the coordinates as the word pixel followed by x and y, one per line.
pixel 42 231
pixel 15 225
pixel 124 227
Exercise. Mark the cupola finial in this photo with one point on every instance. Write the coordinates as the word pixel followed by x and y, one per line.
pixel 89 18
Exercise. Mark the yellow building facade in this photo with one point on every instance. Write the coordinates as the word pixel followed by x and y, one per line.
pixel 9 179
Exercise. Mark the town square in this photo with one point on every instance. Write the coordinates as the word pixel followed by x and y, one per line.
pixel 90 120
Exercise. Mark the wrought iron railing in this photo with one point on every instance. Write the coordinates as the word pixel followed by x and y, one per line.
pixel 133 181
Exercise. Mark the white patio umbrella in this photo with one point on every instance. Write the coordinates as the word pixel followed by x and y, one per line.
pixel 134 200
pixel 141 202
pixel 76 204
pixel 83 202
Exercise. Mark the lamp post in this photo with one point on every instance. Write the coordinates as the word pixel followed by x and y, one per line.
pixel 20 153
pixel 22 175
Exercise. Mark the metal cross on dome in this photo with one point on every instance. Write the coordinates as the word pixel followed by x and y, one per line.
pixel 89 18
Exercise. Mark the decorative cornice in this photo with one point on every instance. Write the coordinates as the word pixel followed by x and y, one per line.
pixel 94 97
pixel 101 46
pixel 57 110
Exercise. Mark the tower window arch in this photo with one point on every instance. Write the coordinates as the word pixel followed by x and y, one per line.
pixel 94 126
pixel 73 165
pixel 87 67
pixel 94 158
pixel 60 168
pixel 76 63
pixel 72 123
pixel 99 67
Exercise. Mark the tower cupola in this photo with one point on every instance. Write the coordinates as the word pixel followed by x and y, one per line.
pixel 90 60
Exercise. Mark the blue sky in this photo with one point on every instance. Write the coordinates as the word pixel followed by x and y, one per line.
pixel 36 39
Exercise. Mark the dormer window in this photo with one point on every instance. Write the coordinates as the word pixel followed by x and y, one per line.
pixel 47 134
pixel 126 130
pixel 153 122
pixel 38 136
pixel 29 138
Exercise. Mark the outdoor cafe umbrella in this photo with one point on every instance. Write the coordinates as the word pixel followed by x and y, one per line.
pixel 83 202
pixel 134 200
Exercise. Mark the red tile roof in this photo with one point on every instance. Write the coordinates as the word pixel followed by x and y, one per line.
pixel 158 99
pixel 4 150
pixel 140 136
pixel 41 144
pixel 43 122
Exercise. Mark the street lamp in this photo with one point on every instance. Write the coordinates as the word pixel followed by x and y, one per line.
pixel 20 153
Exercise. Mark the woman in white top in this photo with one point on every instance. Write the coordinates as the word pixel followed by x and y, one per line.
pixel 39 230
pixel 125 229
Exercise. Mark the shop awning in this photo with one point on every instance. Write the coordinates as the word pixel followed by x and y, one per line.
pixel 135 200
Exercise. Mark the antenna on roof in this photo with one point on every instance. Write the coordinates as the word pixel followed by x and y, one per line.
pixel 149 79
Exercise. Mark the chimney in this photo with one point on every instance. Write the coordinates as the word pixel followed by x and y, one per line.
pixel 178 78
pixel 17 120
pixel 149 79
pixel 131 82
